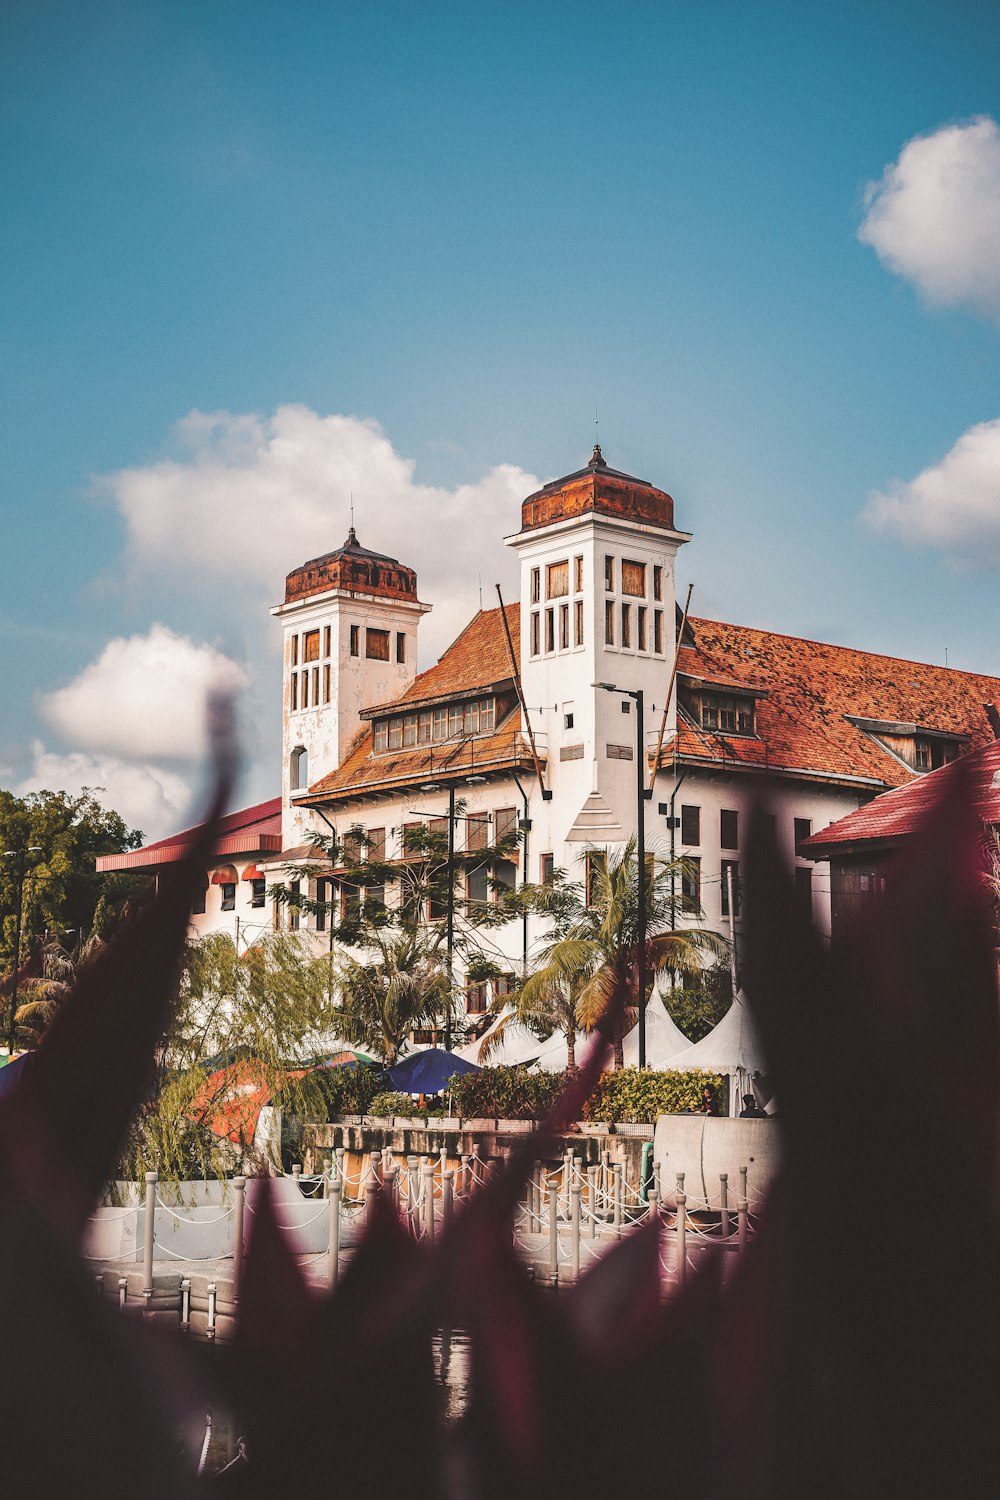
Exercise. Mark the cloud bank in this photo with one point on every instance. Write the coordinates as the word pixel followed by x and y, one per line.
pixel 246 498
pixel 934 216
pixel 953 505
pixel 147 796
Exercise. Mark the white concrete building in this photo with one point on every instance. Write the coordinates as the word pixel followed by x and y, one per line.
pixel 527 734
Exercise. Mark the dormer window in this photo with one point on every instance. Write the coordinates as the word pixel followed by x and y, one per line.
pixel 429 726
pixel 727 713
pixel 931 753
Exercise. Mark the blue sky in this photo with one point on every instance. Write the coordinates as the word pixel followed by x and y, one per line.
pixel 458 227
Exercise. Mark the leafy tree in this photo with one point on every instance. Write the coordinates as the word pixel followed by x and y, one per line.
pixel 63 893
pixel 42 995
pixel 246 1025
pixel 391 915
pixel 594 935
pixel 548 1001
pixel 701 1001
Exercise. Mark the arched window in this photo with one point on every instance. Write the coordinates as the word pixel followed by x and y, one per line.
pixel 298 769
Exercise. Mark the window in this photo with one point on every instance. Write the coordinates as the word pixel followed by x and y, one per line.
pixel 439 729
pixel 475 999
pixel 730 875
pixel 556 580
pixel 931 753
pixel 567 721
pixel 411 839
pixel 536 585
pixel 550 630
pixel 380 735
pixel 298 768
pixel 729 828
pixel 310 646
pixel 578 623
pixel 640 623
pixel 350 901
pixel 731 715
pixel 375 898
pixel 400 645
pixel 198 904
pixel 597 863
pixel 456 719
pixel 658 631
pixel 355 640
pixel 535 646
pixel 315 687
pixel 326 641
pixel 609 574
pixel 295 650
pixel 294 915
pixel 691 825
pixel 803 828
pixel 804 889
pixel 546 866
pixel 691 880
pixel 477 887
pixel 657 581
pixel 470 721
pixel 504 824
pixel 503 985
pixel 564 627
pixel 293 692
pixel 258 892
pixel 395 734
pixel 377 645
pixel 477 833
pixel 409 731
pixel 634 578
pixel 626 627
pixel 424 726
pixel 376 845
pixel 578 575
pixel 304 689
pixel 609 623
pixel 322 897
pixel 505 874
pixel 326 683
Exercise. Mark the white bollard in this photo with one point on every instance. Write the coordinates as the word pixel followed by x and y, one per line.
pixel 336 1188
pixel 428 1177
pixel 463 1178
pixel 412 1190
pixel 618 1194
pixel 592 1173
pixel 743 1211
pixel 447 1191
pixel 148 1236
pixel 296 1171
pixel 553 1205
pixel 681 1227
pixel 724 1203
pixel 239 1204
pixel 575 1194
pixel 743 1184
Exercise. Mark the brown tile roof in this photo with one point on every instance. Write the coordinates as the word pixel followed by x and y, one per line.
pixel 476 661
pixel 598 489
pixel 252 830
pixel 811 687
pixel 897 814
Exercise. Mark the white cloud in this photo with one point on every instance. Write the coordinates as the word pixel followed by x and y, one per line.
pixel 934 216
pixel 249 498
pixel 148 797
pixel 142 698
pixel 954 504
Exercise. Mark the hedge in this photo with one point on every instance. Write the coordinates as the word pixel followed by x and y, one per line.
pixel 625 1095
pixel 504 1094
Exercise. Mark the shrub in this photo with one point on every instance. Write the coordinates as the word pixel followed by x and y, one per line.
pixel 505 1094
pixel 349 1090
pixel 388 1103
pixel 629 1095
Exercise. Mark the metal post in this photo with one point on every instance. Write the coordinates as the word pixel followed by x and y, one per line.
pixel 742 1209
pixel 640 838
pixel 724 1203
pixel 239 1204
pixel 450 939
pixel 447 1188
pixel 148 1235
pixel 617 1194
pixel 681 1227
pixel 336 1188
pixel 553 1196
pixel 575 1193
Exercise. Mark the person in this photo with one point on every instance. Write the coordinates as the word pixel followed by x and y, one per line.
pixel 708 1106
pixel 751 1109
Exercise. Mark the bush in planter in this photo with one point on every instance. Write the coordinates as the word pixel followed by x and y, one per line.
pixel 505 1094
pixel 349 1091
pixel 629 1095
pixel 388 1103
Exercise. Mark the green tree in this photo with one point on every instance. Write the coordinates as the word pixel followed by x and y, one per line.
pixel 398 985
pixel 63 893
pixel 547 1001
pixel 701 1000
pixel 41 995
pixel 244 1021
pixel 594 934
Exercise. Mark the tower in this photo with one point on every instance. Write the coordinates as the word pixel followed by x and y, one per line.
pixel 350 641
pixel 597 553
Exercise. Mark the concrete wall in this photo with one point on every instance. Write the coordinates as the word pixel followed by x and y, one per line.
pixel 702 1147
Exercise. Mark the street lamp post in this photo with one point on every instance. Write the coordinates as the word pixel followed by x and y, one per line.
pixel 20 855
pixel 642 795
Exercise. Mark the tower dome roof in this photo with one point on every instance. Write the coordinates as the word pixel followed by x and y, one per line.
pixel 354 569
pixel 600 490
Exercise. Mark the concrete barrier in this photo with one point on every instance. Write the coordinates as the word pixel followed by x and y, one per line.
pixel 702 1147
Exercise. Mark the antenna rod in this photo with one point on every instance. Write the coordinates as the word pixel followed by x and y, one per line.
pixel 520 696
pixel 670 687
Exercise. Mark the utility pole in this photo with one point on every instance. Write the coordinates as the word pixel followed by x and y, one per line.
pixel 20 855
pixel 450 938
pixel 640 837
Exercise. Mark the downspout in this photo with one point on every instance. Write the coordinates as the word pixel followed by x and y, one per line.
pixel 525 828
pixel 546 794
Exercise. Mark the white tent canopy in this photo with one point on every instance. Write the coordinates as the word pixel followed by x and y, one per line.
pixel 663 1038
pixel 730 1047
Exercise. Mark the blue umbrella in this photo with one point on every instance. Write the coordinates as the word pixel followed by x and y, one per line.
pixel 11 1073
pixel 428 1072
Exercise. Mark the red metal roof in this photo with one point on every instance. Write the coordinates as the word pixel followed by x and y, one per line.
pixel 898 813
pixel 252 830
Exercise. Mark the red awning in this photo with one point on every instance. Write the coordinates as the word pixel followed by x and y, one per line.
pixel 252 872
pixel 224 875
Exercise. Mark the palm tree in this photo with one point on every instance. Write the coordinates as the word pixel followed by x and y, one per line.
pixel 547 1001
pixel 44 994
pixel 400 984
pixel 595 951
